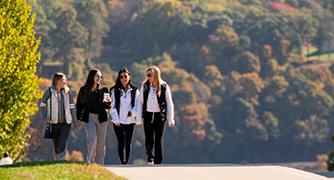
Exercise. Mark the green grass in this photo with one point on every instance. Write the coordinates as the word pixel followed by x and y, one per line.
pixel 327 57
pixel 56 170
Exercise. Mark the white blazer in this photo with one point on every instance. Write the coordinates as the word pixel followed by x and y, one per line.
pixel 124 108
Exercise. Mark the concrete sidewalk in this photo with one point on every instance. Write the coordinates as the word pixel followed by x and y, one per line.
pixel 212 172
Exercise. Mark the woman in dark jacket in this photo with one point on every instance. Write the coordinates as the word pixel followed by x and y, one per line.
pixel 93 103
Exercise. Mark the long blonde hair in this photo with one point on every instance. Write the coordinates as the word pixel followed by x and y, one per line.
pixel 157 77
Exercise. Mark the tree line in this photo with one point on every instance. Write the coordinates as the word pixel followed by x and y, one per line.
pixel 243 86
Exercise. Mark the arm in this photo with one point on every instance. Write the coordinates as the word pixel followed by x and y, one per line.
pixel 134 109
pixel 113 112
pixel 72 106
pixel 170 107
pixel 139 105
pixel 80 105
pixel 106 105
pixel 43 104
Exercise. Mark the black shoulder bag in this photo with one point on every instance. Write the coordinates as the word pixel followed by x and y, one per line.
pixel 48 128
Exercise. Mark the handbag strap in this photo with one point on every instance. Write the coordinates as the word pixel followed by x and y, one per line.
pixel 50 109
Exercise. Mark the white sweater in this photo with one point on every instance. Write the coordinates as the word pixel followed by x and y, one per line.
pixel 6 161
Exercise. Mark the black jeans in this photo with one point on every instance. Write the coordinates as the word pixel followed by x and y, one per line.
pixel 154 130
pixel 60 133
pixel 124 134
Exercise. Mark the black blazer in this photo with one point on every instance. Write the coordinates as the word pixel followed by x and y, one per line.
pixel 83 105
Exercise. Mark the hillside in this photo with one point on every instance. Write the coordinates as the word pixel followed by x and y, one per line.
pixel 238 71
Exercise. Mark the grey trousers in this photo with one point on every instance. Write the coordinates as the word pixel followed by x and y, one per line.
pixel 95 139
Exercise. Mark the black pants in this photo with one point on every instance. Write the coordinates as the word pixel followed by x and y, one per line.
pixel 154 129
pixel 60 133
pixel 124 134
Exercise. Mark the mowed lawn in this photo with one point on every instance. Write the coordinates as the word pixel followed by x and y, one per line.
pixel 56 170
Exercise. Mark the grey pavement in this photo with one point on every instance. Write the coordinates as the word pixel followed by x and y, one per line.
pixel 215 172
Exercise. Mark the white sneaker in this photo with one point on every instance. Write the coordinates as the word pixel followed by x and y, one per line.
pixel 150 163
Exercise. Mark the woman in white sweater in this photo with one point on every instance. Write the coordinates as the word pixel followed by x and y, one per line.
pixel 58 109
pixel 155 106
pixel 123 112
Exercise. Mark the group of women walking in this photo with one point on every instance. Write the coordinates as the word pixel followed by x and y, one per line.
pixel 123 104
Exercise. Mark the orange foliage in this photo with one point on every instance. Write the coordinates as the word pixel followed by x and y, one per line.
pixel 205 50
pixel 215 6
pixel 268 50
pixel 76 156
pixel 200 134
pixel 281 7
pixel 45 83
pixel 195 119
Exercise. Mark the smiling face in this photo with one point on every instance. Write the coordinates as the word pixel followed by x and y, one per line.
pixel 125 78
pixel 61 83
pixel 98 78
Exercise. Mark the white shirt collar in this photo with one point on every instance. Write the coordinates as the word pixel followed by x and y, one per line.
pixel 129 88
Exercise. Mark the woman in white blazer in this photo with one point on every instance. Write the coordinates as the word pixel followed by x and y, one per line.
pixel 123 112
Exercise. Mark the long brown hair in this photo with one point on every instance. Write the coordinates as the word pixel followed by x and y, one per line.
pixel 90 79
pixel 58 76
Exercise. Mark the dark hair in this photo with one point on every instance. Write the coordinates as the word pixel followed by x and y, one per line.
pixel 90 79
pixel 85 89
pixel 118 85
pixel 6 154
pixel 57 76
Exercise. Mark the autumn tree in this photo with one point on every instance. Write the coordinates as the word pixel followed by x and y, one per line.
pixel 19 89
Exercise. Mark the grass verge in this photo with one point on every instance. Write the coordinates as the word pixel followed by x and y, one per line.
pixel 56 170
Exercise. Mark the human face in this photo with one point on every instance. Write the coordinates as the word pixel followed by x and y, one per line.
pixel 98 78
pixel 150 76
pixel 61 83
pixel 125 78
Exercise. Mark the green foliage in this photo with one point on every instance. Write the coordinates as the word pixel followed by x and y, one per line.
pixel 18 80
pixel 313 129
pixel 92 15
pixel 235 68
pixel 246 62
pixel 71 33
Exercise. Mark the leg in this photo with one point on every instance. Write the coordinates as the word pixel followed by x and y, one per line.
pixel 90 130
pixel 101 130
pixel 55 138
pixel 159 131
pixel 64 133
pixel 149 136
pixel 119 131
pixel 128 138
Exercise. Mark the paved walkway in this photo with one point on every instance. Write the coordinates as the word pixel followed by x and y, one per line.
pixel 212 172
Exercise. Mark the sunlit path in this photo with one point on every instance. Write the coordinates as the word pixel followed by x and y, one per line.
pixel 213 172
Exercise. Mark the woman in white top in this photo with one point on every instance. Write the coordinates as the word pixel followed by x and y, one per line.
pixel 6 160
pixel 155 106
pixel 123 112
pixel 57 108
